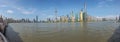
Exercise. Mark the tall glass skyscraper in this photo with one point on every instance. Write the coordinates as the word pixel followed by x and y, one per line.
pixel 85 13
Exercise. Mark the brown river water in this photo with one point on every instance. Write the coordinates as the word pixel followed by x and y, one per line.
pixel 61 32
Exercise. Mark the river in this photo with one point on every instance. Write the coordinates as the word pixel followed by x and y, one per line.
pixel 61 32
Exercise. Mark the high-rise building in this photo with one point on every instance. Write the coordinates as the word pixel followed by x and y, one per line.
pixel 76 17
pixel 85 13
pixel 72 17
pixel 81 16
pixel 89 18
pixel 63 18
pixel 56 15
pixel 60 18
pixel 36 18
pixel 68 18
pixel 119 19
pixel 1 19
pixel 48 20
pixel 84 17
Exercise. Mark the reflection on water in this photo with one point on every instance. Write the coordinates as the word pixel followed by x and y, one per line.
pixel 83 31
pixel 61 32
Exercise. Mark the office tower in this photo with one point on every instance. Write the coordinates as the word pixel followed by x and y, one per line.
pixel 85 13
pixel 48 20
pixel 56 15
pixel 68 17
pixel 76 17
pixel 89 18
pixel 63 18
pixel 72 17
pixel 84 17
pixel 1 19
pixel 36 18
pixel 60 18
pixel 81 16
pixel 119 19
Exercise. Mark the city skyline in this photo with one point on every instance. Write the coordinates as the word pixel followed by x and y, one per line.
pixel 46 8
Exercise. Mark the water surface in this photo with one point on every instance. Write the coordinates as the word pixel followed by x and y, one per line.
pixel 61 32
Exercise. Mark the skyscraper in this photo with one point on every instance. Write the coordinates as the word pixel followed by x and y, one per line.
pixel 119 19
pixel 85 12
pixel 36 18
pixel 72 17
pixel 81 15
pixel 56 15
pixel 85 9
pixel 68 18
pixel 76 17
pixel 1 19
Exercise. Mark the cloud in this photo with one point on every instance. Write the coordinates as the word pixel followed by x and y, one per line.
pixel 104 3
pixel 101 2
pixel 25 11
pixel 109 0
pixel 106 0
pixel 108 16
pixel 9 11
pixel 3 5
pixel 13 5
pixel 21 10
pixel 28 12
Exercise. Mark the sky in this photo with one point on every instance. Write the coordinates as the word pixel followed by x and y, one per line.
pixel 18 9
